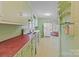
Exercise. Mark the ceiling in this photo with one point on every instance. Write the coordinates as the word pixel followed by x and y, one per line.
pixel 45 9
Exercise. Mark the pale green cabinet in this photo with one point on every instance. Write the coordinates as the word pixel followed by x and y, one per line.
pixel 12 12
pixel 25 51
pixel 28 50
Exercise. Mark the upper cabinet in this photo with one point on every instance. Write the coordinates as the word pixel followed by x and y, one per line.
pixel 14 12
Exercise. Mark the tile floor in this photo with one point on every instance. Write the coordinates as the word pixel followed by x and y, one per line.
pixel 47 48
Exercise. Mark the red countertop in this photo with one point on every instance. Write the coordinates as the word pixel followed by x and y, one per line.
pixel 10 47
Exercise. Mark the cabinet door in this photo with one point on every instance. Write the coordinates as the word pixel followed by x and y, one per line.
pixel 12 8
pixel 18 54
pixel 12 11
pixel 26 52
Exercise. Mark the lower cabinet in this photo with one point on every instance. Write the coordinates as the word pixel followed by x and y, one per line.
pixel 30 49
pixel 25 51
pixel 18 54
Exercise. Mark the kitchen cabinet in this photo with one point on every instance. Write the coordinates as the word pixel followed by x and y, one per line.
pixel 14 12
pixel 30 48
pixel 25 51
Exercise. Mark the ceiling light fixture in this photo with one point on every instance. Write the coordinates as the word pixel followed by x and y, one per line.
pixel 47 14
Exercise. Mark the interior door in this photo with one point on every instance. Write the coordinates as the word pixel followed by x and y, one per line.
pixel 47 29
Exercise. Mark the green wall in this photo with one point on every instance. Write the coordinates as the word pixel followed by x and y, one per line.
pixel 9 31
